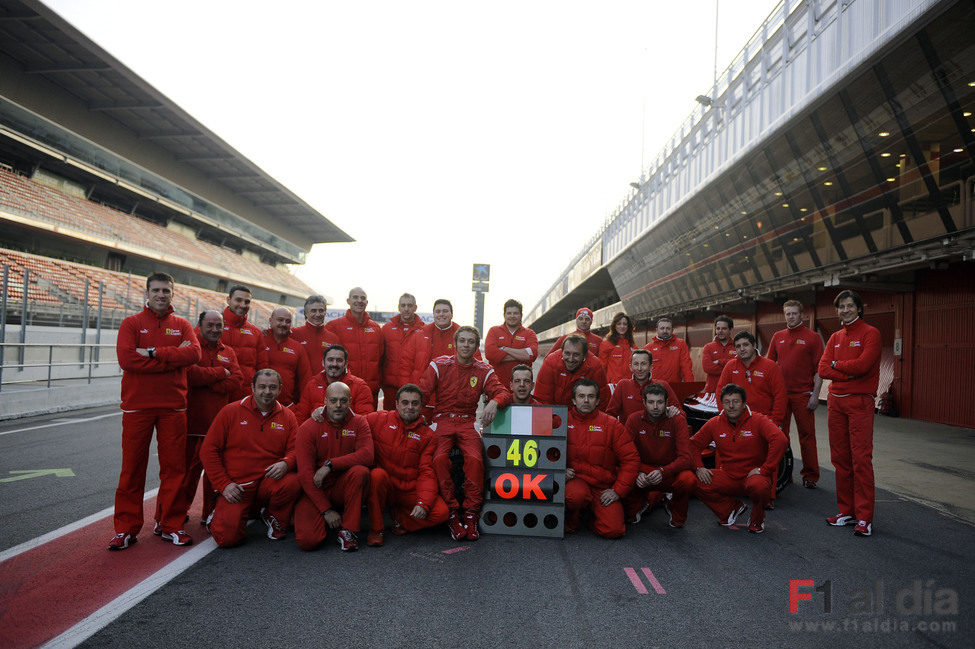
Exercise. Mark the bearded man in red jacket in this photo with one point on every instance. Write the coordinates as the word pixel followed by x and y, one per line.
pixel 244 338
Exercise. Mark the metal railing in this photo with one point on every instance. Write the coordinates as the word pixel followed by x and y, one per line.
pixel 37 367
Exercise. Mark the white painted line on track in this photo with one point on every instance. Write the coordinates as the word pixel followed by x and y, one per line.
pixel 61 531
pixel 61 422
pixel 114 609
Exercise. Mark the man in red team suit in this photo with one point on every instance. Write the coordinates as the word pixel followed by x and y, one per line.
pixel 749 448
pixel 249 454
pixel 671 357
pixel 438 336
pixel 560 372
pixel 522 384
pixel 510 344
pixel 852 362
pixel 627 394
pixel 244 338
pixel 363 339
pixel 336 369
pixel 583 324
pixel 601 464
pixel 315 339
pixel 403 360
pixel 797 349
pixel 456 384
pixel 285 356
pixel 154 348
pixel 333 460
pixel 211 381
pixel 717 353
pixel 760 377
pixel 661 439
pixel 403 479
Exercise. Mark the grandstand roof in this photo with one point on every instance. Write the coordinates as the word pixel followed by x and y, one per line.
pixel 45 44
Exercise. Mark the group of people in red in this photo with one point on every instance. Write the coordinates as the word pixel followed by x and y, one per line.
pixel 282 423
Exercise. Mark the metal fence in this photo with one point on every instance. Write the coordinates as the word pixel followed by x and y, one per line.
pixel 49 362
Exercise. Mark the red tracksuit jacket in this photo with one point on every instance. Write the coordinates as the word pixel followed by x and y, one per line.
pixel 856 349
pixel 601 452
pixel 242 443
pixel 287 359
pixel 616 359
pixel 211 388
pixel 158 382
pixel 500 336
pixel 763 385
pixel 457 388
pixel 346 444
pixel 403 361
pixel 405 452
pixel 663 444
pixel 797 351
pixel 714 357
pixel 554 383
pixel 754 441
pixel 592 339
pixel 671 359
pixel 247 341
pixel 365 345
pixel 627 398
pixel 313 395
pixel 315 341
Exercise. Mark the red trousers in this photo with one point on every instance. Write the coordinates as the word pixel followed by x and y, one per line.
pixel 681 486
pixel 229 523
pixel 721 494
pixel 795 406
pixel 460 431
pixel 850 421
pixel 137 427
pixel 401 503
pixel 607 521
pixel 194 467
pixel 347 493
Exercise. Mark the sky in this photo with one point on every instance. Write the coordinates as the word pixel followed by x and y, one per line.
pixel 437 134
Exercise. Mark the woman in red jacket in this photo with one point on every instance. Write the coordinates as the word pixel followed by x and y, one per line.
pixel 615 351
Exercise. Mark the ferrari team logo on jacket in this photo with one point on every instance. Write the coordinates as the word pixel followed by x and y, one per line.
pixel 348 433
pixel 276 426
pixel 173 332
pixel 473 381
pixel 854 343
pixel 595 429
pixel 665 433
pixel 747 433
pixel 223 359
pixel 414 436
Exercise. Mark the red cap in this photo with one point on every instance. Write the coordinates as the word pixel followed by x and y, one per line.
pixel 585 310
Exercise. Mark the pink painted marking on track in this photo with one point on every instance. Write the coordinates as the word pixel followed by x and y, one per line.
pixel 636 581
pixel 456 550
pixel 653 581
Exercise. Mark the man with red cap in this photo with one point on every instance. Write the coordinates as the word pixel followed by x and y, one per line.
pixel 336 369
pixel 456 384
pixel 671 357
pixel 363 339
pixel 403 361
pixel 244 338
pixel 583 323
pixel 315 339
pixel 285 356
pixel 510 344
pixel 718 352
pixel 601 464
pixel 627 397
pixel 560 372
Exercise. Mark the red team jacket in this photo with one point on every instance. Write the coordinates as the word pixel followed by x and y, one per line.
pixel 158 382
pixel 313 395
pixel 856 349
pixel 663 444
pixel 714 357
pixel 210 386
pixel 247 341
pixel 242 443
pixel 601 452
pixel 290 362
pixel 627 398
pixel 365 345
pixel 592 339
pixel 554 383
pixel 346 444
pixel 405 452
pixel 797 351
pixel 500 336
pixel 457 388
pixel 404 360
pixel 315 341
pixel 755 441
pixel 764 387
pixel 671 359
pixel 437 342
pixel 616 359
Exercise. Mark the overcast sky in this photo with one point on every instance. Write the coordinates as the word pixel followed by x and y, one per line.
pixel 437 134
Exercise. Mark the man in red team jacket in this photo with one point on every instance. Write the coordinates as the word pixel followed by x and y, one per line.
pixel 583 324
pixel 671 358
pixel 403 479
pixel 718 352
pixel 315 339
pixel 601 464
pixel 661 439
pixel 627 394
pixel 797 349
pixel 363 339
pixel 403 360
pixel 852 362
pixel 249 454
pixel 456 384
pixel 336 369
pixel 749 448
pixel 285 356
pixel 510 344
pixel 244 338
pixel 560 372
pixel 333 460
pixel 760 378
pixel 154 348
pixel 522 384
